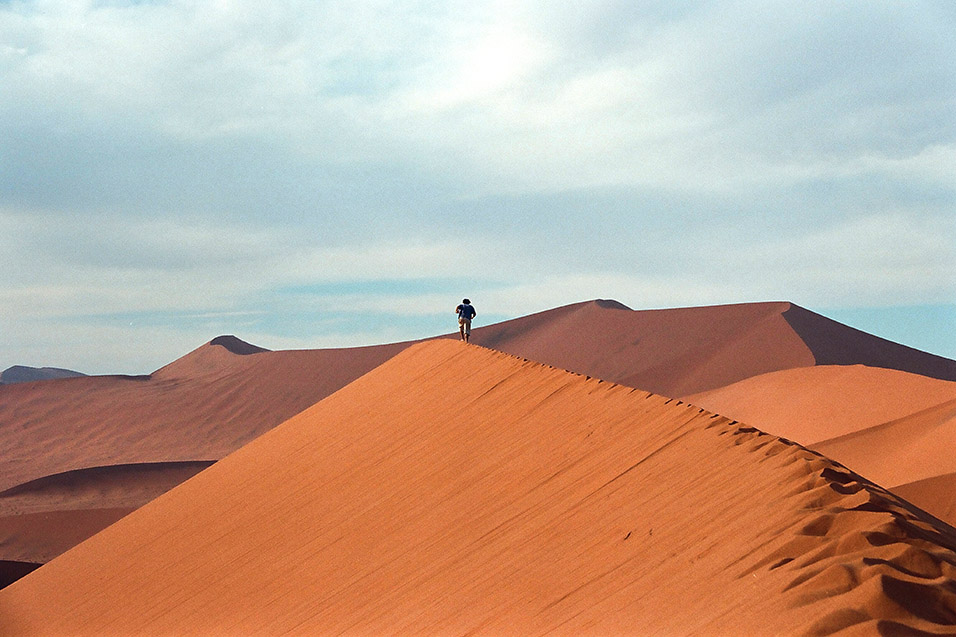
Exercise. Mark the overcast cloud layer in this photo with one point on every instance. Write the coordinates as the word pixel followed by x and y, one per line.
pixel 308 174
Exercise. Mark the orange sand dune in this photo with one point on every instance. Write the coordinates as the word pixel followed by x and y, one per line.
pixel 813 404
pixel 909 449
pixel 893 427
pixel 456 489
pixel 936 494
pixel 227 392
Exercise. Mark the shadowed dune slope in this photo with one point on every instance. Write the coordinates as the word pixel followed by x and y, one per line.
pixel 834 343
pixel 40 537
pixel 128 486
pixel 521 500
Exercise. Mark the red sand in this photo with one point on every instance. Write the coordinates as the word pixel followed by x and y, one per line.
pixel 456 489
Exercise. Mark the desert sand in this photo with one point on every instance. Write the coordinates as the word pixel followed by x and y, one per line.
pixel 896 428
pixel 458 489
pixel 132 437
pixel 814 404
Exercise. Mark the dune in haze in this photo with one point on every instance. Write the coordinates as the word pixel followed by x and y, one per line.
pixel 457 489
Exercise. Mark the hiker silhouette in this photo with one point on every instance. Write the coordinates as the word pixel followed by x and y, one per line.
pixel 466 312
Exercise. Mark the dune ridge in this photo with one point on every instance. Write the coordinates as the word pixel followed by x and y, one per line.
pixel 522 499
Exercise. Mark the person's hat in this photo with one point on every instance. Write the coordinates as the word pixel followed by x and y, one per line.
pixel 465 301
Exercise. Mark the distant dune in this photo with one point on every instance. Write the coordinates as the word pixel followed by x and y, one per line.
pixel 460 490
pixel 23 374
pixel 226 393
pixel 684 351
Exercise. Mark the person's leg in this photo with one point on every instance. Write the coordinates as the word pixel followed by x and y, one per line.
pixel 461 328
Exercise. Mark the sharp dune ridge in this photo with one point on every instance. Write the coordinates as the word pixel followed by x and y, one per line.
pixel 227 392
pixel 459 489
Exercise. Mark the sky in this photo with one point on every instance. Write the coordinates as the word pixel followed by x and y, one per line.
pixel 309 174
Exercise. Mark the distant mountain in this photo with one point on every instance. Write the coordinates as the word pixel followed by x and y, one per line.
pixel 23 374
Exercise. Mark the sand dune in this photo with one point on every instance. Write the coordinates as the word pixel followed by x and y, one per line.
pixel 522 499
pixel 909 449
pixel 193 411
pixel 24 374
pixel 682 351
pixel 936 494
pixel 893 427
pixel 200 407
pixel 129 486
pixel 38 537
pixel 226 393
pixel 813 404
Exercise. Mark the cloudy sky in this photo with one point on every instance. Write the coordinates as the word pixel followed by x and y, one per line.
pixel 315 174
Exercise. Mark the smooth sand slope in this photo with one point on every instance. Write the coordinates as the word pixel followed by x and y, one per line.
pixel 814 404
pixel 456 489
pixel 896 428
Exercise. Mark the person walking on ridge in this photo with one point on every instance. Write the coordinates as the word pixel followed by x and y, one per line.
pixel 466 312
